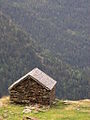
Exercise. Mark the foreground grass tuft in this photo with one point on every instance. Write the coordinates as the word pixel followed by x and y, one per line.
pixel 62 110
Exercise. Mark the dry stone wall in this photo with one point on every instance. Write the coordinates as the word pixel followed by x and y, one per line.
pixel 29 91
pixel 52 95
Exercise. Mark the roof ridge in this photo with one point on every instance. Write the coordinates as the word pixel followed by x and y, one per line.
pixel 40 77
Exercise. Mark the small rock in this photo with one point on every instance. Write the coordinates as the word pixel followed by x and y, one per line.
pixel 41 110
pixel 54 102
pixel 27 111
pixel 78 109
pixel 35 111
pixel 32 108
pixel 5 111
pixel 5 115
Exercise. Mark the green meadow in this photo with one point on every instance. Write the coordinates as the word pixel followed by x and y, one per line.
pixel 61 110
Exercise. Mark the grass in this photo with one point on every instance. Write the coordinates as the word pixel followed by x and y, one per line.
pixel 62 110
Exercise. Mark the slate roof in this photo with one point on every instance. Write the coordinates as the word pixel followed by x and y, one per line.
pixel 40 77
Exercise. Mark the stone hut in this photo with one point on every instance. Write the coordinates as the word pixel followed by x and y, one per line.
pixel 34 87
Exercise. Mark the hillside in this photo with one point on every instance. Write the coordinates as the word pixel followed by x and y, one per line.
pixel 16 53
pixel 61 110
pixel 59 26
pixel 50 34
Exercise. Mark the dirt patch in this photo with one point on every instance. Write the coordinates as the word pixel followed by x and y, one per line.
pixel 1 118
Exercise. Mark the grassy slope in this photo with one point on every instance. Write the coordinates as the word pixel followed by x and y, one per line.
pixel 70 110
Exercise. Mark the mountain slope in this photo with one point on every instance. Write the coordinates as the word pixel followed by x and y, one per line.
pixel 60 26
pixel 16 53
pixel 60 40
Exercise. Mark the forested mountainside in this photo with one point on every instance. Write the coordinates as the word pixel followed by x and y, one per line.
pixel 17 55
pixel 60 26
pixel 59 31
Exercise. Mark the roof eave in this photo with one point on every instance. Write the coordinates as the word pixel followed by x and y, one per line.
pixel 15 83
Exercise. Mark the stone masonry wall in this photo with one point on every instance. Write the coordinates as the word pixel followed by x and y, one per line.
pixel 52 95
pixel 29 91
